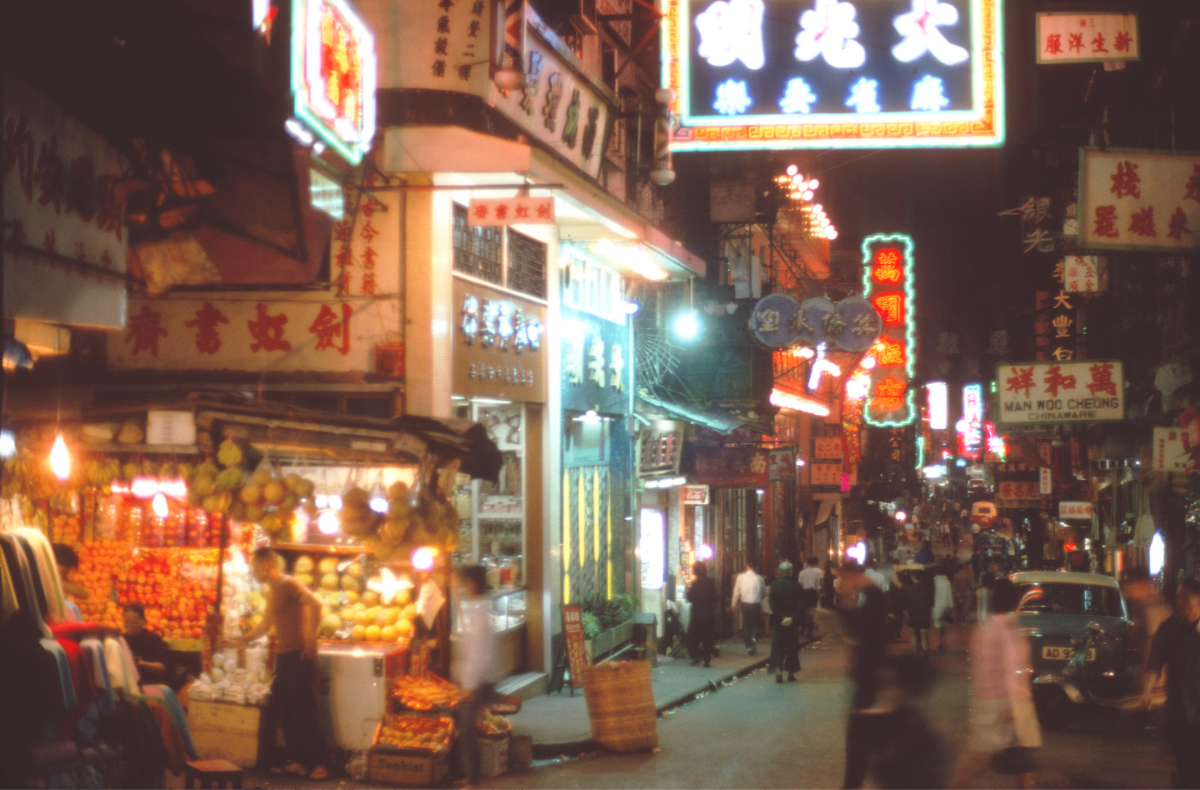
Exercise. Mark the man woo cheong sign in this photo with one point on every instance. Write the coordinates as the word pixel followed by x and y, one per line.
pixel 1053 392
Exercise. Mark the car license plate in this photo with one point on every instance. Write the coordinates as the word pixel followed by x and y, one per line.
pixel 1065 653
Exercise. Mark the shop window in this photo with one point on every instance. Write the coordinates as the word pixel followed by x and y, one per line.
pixel 526 264
pixel 587 442
pixel 478 251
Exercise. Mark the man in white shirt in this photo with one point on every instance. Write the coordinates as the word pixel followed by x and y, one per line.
pixel 747 594
pixel 810 589
pixel 877 577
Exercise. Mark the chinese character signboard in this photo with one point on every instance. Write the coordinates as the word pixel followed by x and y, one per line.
pixel 781 464
pixel 1171 451
pixel 774 74
pixel 333 75
pixel 61 201
pixel 825 475
pixel 496 212
pixel 731 467
pixel 1087 38
pixel 774 321
pixel 1078 511
pixel 226 334
pixel 1082 274
pixel 888 285
pixel 659 447
pixel 596 363
pixel 1010 492
pixel 1045 480
pixel 498 344
pixel 827 447
pixel 1139 200
pixel 1053 392
pixel 572 615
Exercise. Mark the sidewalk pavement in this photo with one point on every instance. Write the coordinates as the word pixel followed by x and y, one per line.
pixel 559 724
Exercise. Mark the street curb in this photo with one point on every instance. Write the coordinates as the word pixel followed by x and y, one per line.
pixel 545 751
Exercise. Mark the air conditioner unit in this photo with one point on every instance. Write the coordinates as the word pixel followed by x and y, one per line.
pixel 582 14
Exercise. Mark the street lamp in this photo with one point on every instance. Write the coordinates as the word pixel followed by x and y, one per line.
pixel 687 325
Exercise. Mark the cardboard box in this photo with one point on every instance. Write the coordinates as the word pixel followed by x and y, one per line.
pixel 493 755
pixel 224 730
pixel 407 767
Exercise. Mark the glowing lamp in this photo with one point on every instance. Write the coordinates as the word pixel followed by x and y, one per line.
pixel 1157 554
pixel 159 504
pixel 143 487
pixel 792 170
pixel 868 363
pixel 422 558
pixel 379 504
pixel 705 552
pixel 388 585
pixel 857 552
pixel 60 458
pixel 901 515
pixel 662 176
pixel 686 325
pixel 8 444
pixel 328 523
pixel 335 502
pixel 814 184
pixel 176 488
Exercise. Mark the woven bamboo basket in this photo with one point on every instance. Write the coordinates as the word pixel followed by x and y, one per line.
pixel 620 705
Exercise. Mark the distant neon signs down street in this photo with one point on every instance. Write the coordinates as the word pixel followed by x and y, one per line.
pixel 888 284
pixel 769 74
pixel 333 75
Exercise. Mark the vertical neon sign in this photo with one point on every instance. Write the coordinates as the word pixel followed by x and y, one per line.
pixel 888 285
pixel 970 427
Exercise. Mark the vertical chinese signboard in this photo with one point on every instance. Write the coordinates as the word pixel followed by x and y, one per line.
pixel 1053 392
pixel 1139 200
pixel 333 75
pixel 573 636
pixel 888 284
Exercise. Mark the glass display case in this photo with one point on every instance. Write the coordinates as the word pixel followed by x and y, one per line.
pixel 508 610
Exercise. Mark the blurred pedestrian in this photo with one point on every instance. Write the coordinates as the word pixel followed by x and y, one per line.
pixel 863 610
pixel 983 595
pixel 918 606
pixel 925 554
pixel 1003 722
pixel 702 624
pixel 895 604
pixel 747 596
pixel 810 586
pixel 964 591
pixel 943 604
pixel 1147 611
pixel 828 593
pixel 1176 648
pixel 787 608
pixel 473 666
pixel 909 752
pixel 877 576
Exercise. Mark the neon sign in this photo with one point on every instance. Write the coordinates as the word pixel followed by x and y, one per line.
pixel 888 266
pixel 333 75
pixel 775 74
pixel 970 427
pixel 939 405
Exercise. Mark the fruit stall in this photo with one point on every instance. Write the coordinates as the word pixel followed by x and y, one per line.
pixel 164 505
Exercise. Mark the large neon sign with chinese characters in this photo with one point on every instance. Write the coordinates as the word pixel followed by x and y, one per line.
pixel 888 284
pixel 771 74
pixel 333 75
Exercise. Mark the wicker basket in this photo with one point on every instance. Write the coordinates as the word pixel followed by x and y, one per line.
pixel 620 705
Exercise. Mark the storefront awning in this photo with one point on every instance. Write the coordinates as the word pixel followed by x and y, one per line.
pixel 715 419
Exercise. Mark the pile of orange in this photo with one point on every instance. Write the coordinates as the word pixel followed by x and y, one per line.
pixel 101 563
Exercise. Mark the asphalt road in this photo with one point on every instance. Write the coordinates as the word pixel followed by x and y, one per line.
pixel 756 734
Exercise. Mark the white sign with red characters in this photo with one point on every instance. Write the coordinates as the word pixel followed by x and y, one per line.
pixel 825 475
pixel 1087 38
pixel 1045 480
pixel 1018 491
pixel 1079 511
pixel 693 495
pixel 1083 274
pixel 827 447
pixel 333 335
pixel 1171 452
pixel 1034 392
pixel 1138 200
pixel 494 212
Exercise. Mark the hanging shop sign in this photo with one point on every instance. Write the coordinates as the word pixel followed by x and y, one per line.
pixel 1012 491
pixel 694 495
pixel 1082 274
pixel 825 475
pixel 1087 38
pixel 448 48
pixel 1138 200
pixel 732 467
pixel 773 322
pixel 500 212
pixel 1039 392
pixel 748 74
pixel 1172 451
pixel 888 283
pixel 852 324
pixel 1078 511
pixel 827 447
pixel 970 427
pixel 64 222
pixel 572 615
pixel 938 397
pixel 329 335
pixel 333 75
pixel 498 344
pixel 781 464
pixel 659 448
pixel 1045 481
pixel 596 364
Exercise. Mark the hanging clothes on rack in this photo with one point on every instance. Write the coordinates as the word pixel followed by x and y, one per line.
pixel 18 565
pixel 43 558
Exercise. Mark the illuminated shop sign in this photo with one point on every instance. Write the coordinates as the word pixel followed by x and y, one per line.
pixel 333 75
pixel 888 285
pixel 939 405
pixel 970 427
pixel 773 74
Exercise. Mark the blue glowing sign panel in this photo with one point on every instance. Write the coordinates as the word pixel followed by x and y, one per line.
pixel 834 73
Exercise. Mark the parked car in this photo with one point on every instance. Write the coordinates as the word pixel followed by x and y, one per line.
pixel 1062 614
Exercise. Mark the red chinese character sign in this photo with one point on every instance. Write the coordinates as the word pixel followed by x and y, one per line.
pixel 333 75
pixel 1054 392
pixel 495 212
pixel 1087 38
pixel 888 285
pixel 1139 200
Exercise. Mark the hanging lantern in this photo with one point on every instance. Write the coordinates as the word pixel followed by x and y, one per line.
pixel 60 458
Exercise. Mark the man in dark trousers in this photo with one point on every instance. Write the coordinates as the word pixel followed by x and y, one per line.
pixel 1176 647
pixel 864 613
pixel 702 623
pixel 787 610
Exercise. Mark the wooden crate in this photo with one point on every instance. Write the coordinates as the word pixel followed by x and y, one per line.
pixel 406 767
pixel 224 730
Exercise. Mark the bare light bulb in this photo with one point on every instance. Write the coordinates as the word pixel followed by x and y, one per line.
pixel 60 458
pixel 159 504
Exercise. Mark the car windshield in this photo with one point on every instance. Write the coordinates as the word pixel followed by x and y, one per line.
pixel 1057 598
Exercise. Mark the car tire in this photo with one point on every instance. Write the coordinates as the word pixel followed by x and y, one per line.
pixel 1055 710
